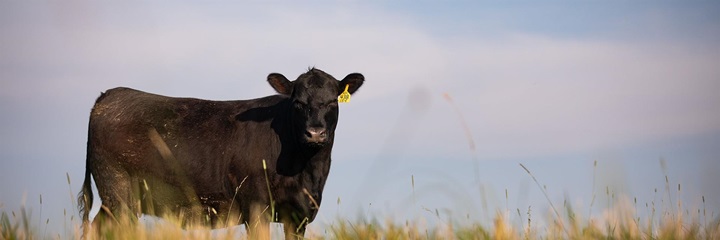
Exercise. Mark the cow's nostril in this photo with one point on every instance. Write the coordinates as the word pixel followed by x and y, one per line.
pixel 316 134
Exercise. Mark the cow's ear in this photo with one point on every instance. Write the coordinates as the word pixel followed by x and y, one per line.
pixel 280 83
pixel 353 81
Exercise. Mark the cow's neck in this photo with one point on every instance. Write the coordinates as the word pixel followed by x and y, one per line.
pixel 295 158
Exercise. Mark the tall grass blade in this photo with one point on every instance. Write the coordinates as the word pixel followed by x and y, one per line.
pixel 557 214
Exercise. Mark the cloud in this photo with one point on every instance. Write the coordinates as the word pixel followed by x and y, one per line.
pixel 549 95
pixel 197 46
pixel 518 90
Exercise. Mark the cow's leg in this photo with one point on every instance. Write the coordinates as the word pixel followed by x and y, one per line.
pixel 116 192
pixel 103 221
pixel 293 223
pixel 258 226
pixel 106 219
pixel 259 230
pixel 293 230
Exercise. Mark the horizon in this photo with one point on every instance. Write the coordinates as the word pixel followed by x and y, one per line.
pixel 554 87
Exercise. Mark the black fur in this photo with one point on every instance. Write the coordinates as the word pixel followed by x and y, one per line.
pixel 203 160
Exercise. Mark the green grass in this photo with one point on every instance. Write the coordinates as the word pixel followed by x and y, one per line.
pixel 618 221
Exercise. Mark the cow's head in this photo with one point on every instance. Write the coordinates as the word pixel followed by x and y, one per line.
pixel 314 99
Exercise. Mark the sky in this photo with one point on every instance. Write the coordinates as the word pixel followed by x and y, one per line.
pixel 457 95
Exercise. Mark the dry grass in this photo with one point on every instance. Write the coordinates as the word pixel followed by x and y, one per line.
pixel 619 221
pixel 616 223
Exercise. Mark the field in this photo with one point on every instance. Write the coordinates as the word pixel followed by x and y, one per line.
pixel 619 221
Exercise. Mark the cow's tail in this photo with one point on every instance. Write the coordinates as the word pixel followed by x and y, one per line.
pixel 85 197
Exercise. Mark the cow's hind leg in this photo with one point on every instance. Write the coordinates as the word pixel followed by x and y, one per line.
pixel 258 224
pixel 118 205
pixel 258 230
pixel 103 221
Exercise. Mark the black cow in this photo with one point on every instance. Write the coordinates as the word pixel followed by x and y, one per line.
pixel 217 163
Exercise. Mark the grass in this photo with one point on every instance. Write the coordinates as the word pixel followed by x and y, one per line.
pixel 619 221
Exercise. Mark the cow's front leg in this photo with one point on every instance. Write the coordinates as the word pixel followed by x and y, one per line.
pixel 294 226
pixel 293 229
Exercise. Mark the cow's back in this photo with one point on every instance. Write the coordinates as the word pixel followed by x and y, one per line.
pixel 120 123
pixel 170 144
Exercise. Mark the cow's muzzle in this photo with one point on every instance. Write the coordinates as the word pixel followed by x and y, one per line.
pixel 316 136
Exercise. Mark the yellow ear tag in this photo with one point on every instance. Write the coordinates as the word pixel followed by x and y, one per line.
pixel 345 95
